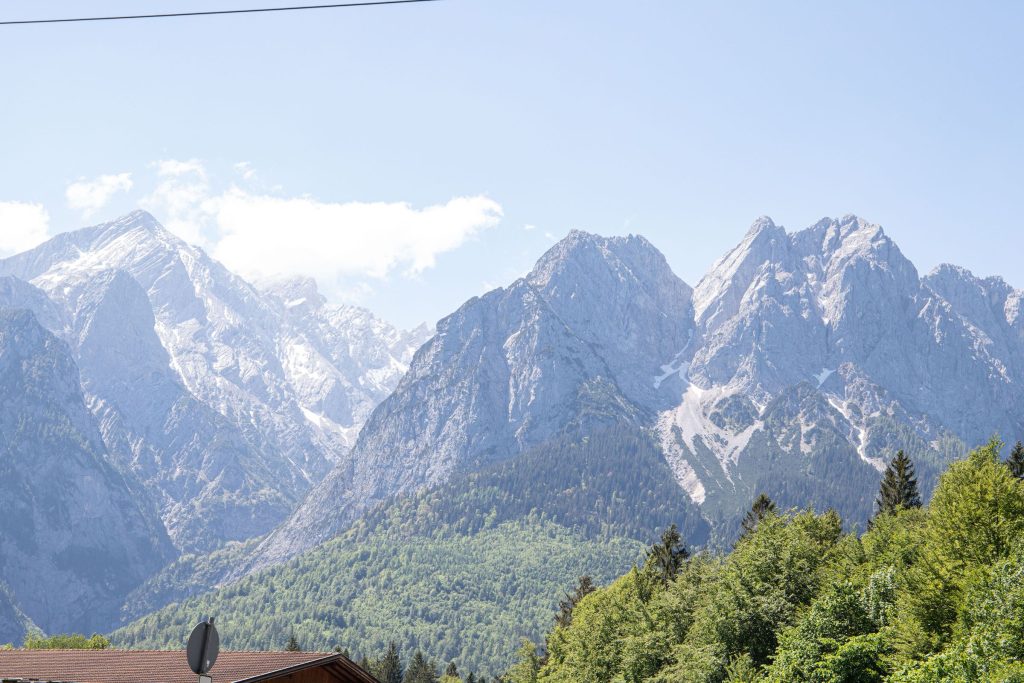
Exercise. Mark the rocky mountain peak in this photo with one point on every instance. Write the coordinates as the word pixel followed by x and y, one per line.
pixel 760 225
pixel 295 292
pixel 583 254
pixel 719 293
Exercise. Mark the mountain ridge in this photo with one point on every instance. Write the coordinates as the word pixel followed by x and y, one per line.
pixel 835 308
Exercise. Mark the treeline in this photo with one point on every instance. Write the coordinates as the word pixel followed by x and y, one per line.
pixel 927 594
pixel 456 597
pixel 389 668
pixel 614 484
pixel 35 640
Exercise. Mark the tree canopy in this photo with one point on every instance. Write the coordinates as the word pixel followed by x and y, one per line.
pixel 929 593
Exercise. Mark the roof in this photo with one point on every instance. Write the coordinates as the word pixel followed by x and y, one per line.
pixel 167 666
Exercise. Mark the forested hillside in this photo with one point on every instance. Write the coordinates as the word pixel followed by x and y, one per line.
pixel 927 594
pixel 463 571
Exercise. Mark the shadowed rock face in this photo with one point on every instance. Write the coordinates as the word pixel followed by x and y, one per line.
pixel 570 348
pixel 75 535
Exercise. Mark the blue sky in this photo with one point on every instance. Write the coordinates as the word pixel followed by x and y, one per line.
pixel 433 151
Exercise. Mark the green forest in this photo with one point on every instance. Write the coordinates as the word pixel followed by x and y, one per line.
pixel 926 594
pixel 462 571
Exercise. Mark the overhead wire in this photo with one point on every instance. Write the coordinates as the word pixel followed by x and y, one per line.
pixel 204 13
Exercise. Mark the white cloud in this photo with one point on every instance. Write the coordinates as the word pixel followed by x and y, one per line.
pixel 245 169
pixel 174 167
pixel 529 226
pixel 179 199
pixel 89 196
pixel 22 226
pixel 264 236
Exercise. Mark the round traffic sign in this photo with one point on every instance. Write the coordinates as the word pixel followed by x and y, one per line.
pixel 203 646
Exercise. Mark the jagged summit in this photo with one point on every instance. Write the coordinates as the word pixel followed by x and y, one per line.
pixel 762 224
pixel 294 291
pixel 580 252
pixel 138 218
pixel 258 394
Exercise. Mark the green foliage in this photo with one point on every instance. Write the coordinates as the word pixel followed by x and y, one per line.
pixel 706 621
pixel 421 670
pixel 761 508
pixel 928 594
pixel 388 669
pixel 35 640
pixel 613 484
pixel 461 572
pixel 667 556
pixel 462 598
pixel 566 605
pixel 1016 460
pixel 976 515
pixel 527 665
pixel 899 486
pixel 190 574
pixel 451 674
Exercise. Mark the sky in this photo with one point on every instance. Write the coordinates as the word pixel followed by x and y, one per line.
pixel 411 157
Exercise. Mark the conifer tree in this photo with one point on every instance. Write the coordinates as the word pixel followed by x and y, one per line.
pixel 899 486
pixel 471 678
pixel 567 604
pixel 667 556
pixel 761 508
pixel 293 644
pixel 1016 460
pixel 388 668
pixel 420 670
pixel 452 670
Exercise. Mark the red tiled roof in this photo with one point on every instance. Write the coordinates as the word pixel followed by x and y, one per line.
pixel 162 666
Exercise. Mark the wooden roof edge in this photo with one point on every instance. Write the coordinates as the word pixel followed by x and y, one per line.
pixel 336 658
pixel 356 670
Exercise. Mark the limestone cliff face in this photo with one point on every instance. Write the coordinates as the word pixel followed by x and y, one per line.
pixel 75 534
pixel 570 348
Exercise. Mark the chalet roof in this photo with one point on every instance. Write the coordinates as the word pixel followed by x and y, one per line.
pixel 167 666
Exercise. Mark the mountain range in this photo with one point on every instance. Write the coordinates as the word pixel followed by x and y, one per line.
pixel 249 426
pixel 220 404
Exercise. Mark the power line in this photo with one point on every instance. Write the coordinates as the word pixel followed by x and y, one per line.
pixel 295 8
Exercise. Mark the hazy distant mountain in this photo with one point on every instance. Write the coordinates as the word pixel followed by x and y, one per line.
pixel 226 401
pixel 75 534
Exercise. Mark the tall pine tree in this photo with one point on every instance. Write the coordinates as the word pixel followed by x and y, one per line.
pixel 668 556
pixel 761 508
pixel 388 669
pixel 899 486
pixel 293 644
pixel 421 670
pixel 567 604
pixel 1016 460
